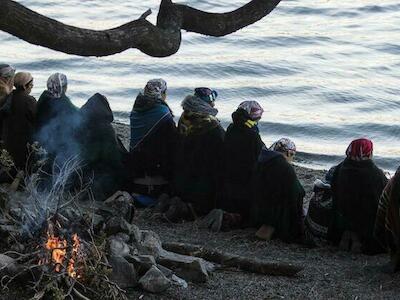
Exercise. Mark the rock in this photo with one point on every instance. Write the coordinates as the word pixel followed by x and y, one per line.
pixel 150 243
pixel 117 246
pixel 154 281
pixel 123 272
pixel 142 263
pixel 8 266
pixel 121 204
pixel 179 282
pixel 117 225
pixel 190 268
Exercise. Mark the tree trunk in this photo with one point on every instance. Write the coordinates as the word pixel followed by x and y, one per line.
pixel 159 40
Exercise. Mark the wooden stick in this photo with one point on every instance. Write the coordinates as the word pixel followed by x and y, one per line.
pixel 253 265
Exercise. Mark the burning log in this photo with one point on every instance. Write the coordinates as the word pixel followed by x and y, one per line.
pixel 235 261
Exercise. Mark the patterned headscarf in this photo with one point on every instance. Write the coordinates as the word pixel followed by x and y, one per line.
pixel 155 88
pixel 284 145
pixel 57 84
pixel 22 79
pixel 206 94
pixel 253 108
pixel 194 104
pixel 6 71
pixel 360 149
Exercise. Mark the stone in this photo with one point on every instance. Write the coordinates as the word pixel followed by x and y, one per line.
pixel 123 272
pixel 154 281
pixel 190 268
pixel 142 263
pixel 117 225
pixel 150 243
pixel 117 246
pixel 179 282
pixel 8 266
pixel 121 204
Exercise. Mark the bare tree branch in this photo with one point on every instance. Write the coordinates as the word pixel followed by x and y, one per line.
pixel 159 40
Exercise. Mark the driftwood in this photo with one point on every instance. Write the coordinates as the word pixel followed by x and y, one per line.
pixel 231 260
pixel 160 40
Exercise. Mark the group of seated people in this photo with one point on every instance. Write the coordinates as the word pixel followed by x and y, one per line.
pixel 195 169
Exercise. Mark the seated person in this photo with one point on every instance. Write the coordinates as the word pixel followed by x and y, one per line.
pixel 278 195
pixel 357 184
pixel 153 135
pixel 56 121
pixel 199 152
pixel 101 153
pixel 387 223
pixel 242 146
pixel 18 120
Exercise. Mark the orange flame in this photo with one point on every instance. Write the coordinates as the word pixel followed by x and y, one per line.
pixel 58 248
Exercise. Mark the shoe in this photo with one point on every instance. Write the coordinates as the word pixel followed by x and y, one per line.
pixel 265 232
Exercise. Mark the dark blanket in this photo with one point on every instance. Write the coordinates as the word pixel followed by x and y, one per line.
pixel 153 138
pixel 101 152
pixel 356 188
pixel 56 122
pixel 198 161
pixel 387 223
pixel 242 146
pixel 18 118
pixel 278 197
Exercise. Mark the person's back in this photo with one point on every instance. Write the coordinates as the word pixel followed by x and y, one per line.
pixel 19 120
pixel 278 196
pixel 7 74
pixel 100 151
pixel 242 146
pixel 153 136
pixel 56 120
pixel 198 162
pixel 357 184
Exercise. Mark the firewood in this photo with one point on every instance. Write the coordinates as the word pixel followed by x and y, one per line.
pixel 253 265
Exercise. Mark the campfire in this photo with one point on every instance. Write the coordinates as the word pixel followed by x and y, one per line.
pixel 64 256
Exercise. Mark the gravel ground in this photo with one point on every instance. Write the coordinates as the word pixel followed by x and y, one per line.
pixel 328 273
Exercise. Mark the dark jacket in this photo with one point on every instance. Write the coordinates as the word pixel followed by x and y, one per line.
pixel 242 147
pixel 198 161
pixel 153 138
pixel 356 189
pixel 101 152
pixel 278 197
pixel 56 122
pixel 18 119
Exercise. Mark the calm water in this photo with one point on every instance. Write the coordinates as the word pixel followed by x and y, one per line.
pixel 325 71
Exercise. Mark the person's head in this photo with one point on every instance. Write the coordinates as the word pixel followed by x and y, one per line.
pixel 360 149
pixel 206 94
pixel 23 81
pixel 7 74
pixel 253 109
pixel 286 147
pixel 57 85
pixel 156 88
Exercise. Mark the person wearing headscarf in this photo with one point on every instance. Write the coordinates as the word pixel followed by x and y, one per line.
pixel 101 152
pixel 153 135
pixel 18 119
pixel 242 146
pixel 198 163
pixel 6 86
pixel 56 120
pixel 387 222
pixel 357 185
pixel 277 208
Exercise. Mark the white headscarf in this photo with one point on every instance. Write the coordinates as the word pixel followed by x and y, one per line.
pixel 57 84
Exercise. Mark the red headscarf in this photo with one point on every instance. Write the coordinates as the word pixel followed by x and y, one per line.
pixel 360 149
